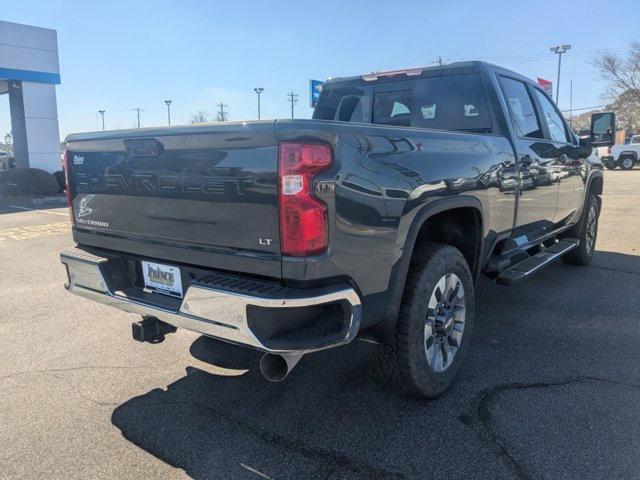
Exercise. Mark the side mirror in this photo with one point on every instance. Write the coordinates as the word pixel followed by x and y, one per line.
pixel 603 129
pixel 584 149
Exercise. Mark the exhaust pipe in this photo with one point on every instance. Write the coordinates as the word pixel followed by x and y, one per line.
pixel 275 367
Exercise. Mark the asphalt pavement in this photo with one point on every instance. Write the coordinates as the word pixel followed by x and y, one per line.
pixel 550 389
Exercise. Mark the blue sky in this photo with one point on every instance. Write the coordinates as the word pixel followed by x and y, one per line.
pixel 118 55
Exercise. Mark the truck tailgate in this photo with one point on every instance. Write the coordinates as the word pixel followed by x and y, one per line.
pixel 200 189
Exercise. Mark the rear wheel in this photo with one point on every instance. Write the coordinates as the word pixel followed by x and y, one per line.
pixel 434 324
pixel 626 163
pixel 587 233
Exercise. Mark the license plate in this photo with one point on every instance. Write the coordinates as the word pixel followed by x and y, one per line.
pixel 162 278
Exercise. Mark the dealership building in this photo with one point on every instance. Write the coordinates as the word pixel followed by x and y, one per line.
pixel 29 73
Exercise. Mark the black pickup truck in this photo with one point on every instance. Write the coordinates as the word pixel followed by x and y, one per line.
pixel 373 220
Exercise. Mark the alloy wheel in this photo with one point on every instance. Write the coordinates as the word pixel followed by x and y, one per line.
pixel 444 322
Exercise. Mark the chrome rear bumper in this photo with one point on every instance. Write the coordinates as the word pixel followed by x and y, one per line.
pixel 212 311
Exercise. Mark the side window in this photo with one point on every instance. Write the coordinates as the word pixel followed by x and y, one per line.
pixel 452 102
pixel 392 108
pixel 523 114
pixel 552 117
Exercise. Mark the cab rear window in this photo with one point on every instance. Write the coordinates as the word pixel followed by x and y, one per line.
pixel 392 108
pixel 447 102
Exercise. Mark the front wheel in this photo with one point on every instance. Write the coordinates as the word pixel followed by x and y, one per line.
pixel 434 324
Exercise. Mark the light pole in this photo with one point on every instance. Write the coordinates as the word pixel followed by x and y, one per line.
pixel 258 90
pixel 101 112
pixel 559 49
pixel 168 102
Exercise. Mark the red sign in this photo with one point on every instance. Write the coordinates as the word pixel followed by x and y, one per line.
pixel 547 86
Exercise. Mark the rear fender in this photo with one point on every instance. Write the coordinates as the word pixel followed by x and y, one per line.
pixel 382 332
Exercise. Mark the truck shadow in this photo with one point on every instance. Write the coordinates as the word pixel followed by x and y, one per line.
pixel 332 418
pixel 213 426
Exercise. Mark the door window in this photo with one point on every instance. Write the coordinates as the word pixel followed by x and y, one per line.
pixel 552 117
pixel 523 114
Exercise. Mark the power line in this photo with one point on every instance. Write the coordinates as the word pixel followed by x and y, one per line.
pixel 584 108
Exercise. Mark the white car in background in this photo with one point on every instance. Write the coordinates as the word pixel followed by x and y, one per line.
pixel 624 156
pixel 6 160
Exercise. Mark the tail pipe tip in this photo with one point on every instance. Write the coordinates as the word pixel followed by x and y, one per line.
pixel 276 367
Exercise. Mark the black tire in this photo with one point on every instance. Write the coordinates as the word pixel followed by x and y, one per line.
pixel 403 361
pixel 583 253
pixel 610 166
pixel 626 163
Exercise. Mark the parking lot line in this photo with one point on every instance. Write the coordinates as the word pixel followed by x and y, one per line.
pixel 35 231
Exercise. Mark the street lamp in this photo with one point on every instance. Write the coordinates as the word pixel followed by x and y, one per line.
pixel 258 90
pixel 168 102
pixel 559 49
pixel 101 112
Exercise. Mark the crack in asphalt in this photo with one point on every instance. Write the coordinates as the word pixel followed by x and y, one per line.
pixel 482 408
pixel 53 371
pixel 328 459
pixel 617 270
pixel 71 369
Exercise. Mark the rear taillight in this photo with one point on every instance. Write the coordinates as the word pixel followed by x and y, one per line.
pixel 304 226
pixel 67 183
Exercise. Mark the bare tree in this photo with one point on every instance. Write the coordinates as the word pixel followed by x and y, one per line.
pixel 627 108
pixel 8 142
pixel 622 73
pixel 201 117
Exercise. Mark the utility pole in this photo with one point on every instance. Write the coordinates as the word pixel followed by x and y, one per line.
pixel 559 49
pixel 138 109
pixel 222 115
pixel 168 102
pixel 258 90
pixel 101 112
pixel 293 99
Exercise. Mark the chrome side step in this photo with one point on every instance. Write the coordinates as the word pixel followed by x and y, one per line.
pixel 531 265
